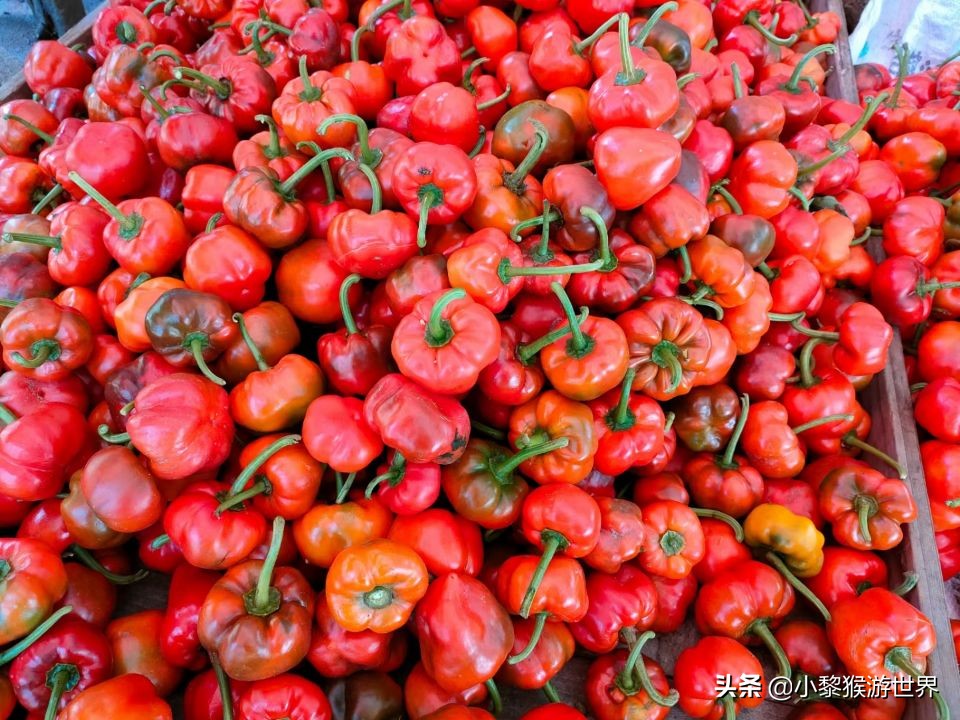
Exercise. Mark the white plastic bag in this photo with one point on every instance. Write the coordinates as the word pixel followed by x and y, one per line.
pixel 931 29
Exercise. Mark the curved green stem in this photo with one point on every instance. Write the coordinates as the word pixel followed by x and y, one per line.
pixel 52 195
pixel 113 438
pixel 798 586
pixel 793 84
pixel 901 658
pixel 502 97
pixel 727 460
pixel 439 331
pixel 348 322
pixel 223 684
pixel 807 378
pixel 368 156
pixel 196 349
pixel 686 267
pixel 628 75
pixel 496 702
pixel 821 421
pixel 254 465
pixel 622 417
pixel 664 355
pixel 376 193
pixel 720 190
pixel 762 631
pixel 737 81
pixel 527 351
pixel 430 196
pixel 851 440
pixel 264 599
pixel 634 676
pixel 273 150
pixel 220 88
pixel 729 707
pixel 910 580
pixel 50 241
pixel 722 517
pixel 541 621
pixel 344 486
pixel 262 365
pixel 589 41
pixel 550 692
pixel 902 63
pixel 38 632
pixel 287 187
pixel 540 139
pixel 45 136
pixel 467 82
pixel 609 262
pixel 552 541
pixel 61 678
pixel 547 217
pixel 7 415
pixel 641 38
pixel 130 225
pixel 507 466
pixel 578 341
pixel 91 562
pixel 40 352
pixel 753 19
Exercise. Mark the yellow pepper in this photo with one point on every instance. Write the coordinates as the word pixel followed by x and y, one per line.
pixel 794 538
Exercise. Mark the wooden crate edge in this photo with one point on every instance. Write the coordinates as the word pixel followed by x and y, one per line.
pixel 894 430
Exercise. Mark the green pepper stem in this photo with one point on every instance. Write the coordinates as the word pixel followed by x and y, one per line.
pixel 496 702
pixel 54 193
pixel 550 692
pixel 753 19
pixel 603 239
pixel 266 599
pixel 727 460
pixel 40 352
pixel 641 38
pixel 223 684
pixel 196 349
pixel 539 624
pixel 130 225
pixel 786 317
pixel 762 631
pixel 439 332
pixel 38 632
pixel 547 217
pixel 902 658
pixel 543 252
pixel 931 286
pixel 669 419
pixel 723 517
pixel 793 84
pixel 64 677
pixel 634 677
pixel 392 476
pixel 7 415
pixel 794 581
pixel 91 562
pixel 113 438
pixel 220 88
pixel 589 41
pixel 486 104
pixel 865 507
pixel 273 150
pixel 902 63
pixel 664 355
pixel 737 81
pixel 287 187
pixel 686 267
pixel 540 140
pixel 254 465
pixel 491 432
pixel 720 190
pixel 159 109
pixel 355 42
pixel 840 146
pixel 552 541
pixel 50 241
pixel 430 196
pixel 344 486
pixel 527 351
pixel 45 136
pixel 729 707
pixel 910 580
pixel 770 274
pixel 348 322
pixel 851 440
pixel 622 417
pixel 262 365
pixel 467 82
pixel 807 378
pixel 507 466
pixel 628 75
pixel 368 156
pixel 507 271
pixel 578 341
pixel 159 541
pixel 821 421
pixel 376 194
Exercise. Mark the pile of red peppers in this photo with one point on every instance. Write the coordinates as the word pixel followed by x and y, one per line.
pixel 407 349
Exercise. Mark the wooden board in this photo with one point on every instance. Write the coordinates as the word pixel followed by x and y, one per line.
pixel 888 401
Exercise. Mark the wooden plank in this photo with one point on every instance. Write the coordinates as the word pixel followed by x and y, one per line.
pixel 16 87
pixel 894 430
pixel 887 399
